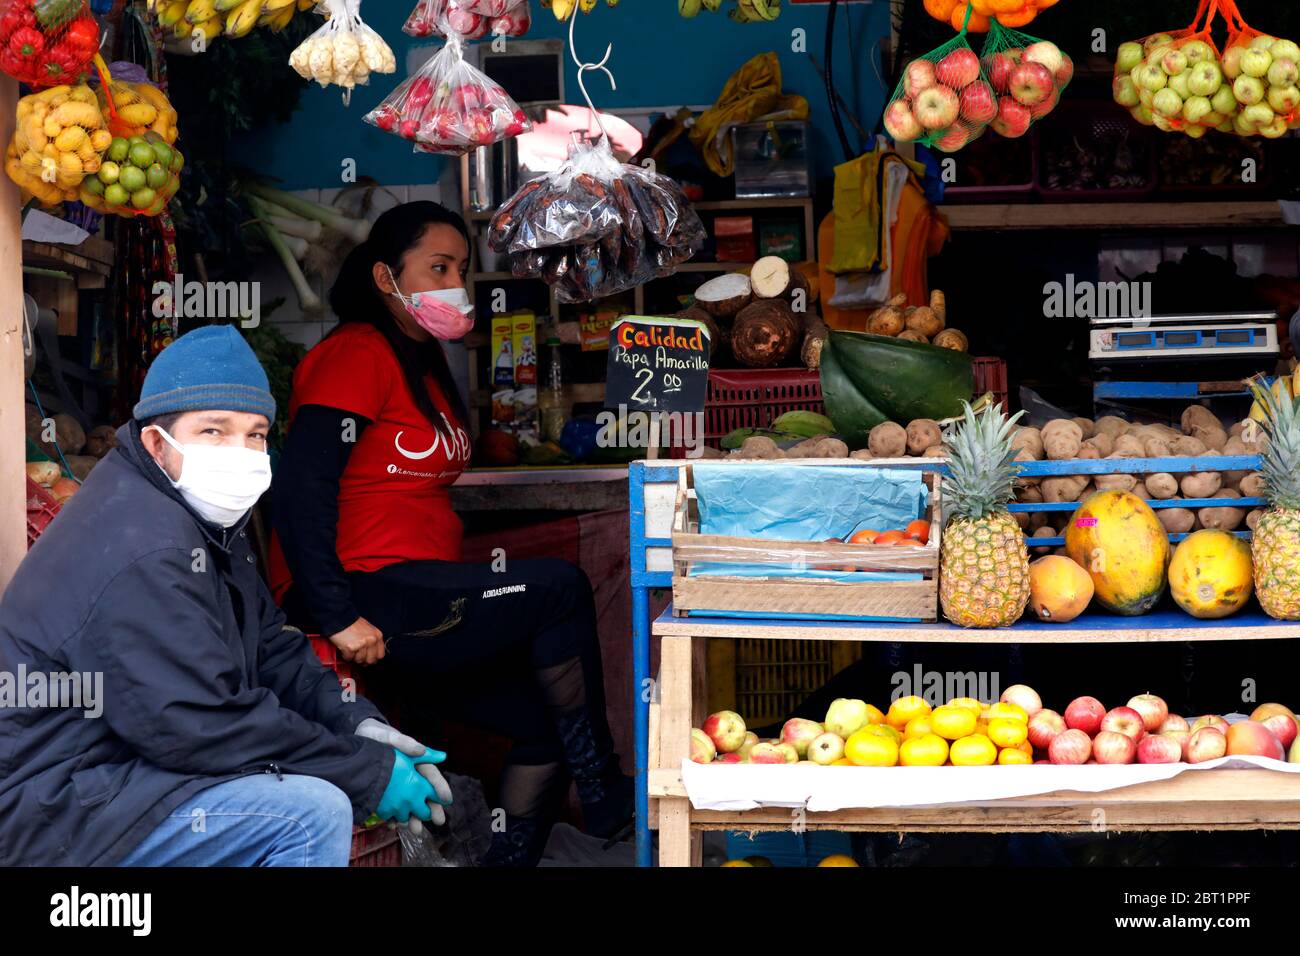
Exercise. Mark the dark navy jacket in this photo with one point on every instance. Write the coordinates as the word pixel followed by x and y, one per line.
pixel 201 680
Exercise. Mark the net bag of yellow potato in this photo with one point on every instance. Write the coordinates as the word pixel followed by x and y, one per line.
pixel 60 137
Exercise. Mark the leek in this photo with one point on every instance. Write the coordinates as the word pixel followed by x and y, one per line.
pixel 354 229
pixel 307 297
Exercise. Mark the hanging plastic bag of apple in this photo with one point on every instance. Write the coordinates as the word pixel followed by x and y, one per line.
pixel 46 43
pixel 943 99
pixel 1028 76
pixel 1264 71
pixel 448 106
pixel 1010 13
pixel 596 227
pixel 1175 81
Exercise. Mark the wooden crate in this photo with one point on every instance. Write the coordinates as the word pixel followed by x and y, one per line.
pixel 821 597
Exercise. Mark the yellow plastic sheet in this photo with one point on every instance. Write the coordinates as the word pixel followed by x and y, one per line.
pixel 752 93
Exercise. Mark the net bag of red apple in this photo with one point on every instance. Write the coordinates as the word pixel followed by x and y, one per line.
pixel 46 43
pixel 595 227
pixel 448 106
pixel 1264 71
pixel 1175 81
pixel 1028 76
pixel 943 99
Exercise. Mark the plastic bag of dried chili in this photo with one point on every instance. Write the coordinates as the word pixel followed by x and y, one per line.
pixel 46 42
pixel 596 227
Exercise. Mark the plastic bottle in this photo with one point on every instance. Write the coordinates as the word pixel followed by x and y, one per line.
pixel 554 404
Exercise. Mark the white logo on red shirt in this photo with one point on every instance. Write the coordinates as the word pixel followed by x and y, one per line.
pixel 459 448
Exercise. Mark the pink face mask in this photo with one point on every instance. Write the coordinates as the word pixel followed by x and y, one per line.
pixel 444 313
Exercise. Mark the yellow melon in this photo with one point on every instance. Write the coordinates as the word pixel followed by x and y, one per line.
pixel 1211 574
pixel 1119 541
pixel 1059 590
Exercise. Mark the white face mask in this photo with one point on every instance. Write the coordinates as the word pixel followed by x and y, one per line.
pixel 220 482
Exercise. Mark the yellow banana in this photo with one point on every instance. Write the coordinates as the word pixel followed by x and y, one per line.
pixel 182 29
pixel 171 13
pixel 273 6
pixel 688 8
pixel 279 19
pixel 767 10
pixel 713 6
pixel 562 9
pixel 586 6
pixel 241 20
pixel 199 10
pixel 225 6
pixel 210 28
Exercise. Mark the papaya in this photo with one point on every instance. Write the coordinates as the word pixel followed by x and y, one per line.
pixel 1119 541
pixel 1211 574
pixel 869 379
pixel 1059 589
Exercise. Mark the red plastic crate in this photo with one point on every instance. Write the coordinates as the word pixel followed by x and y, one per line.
pixel 329 656
pixel 991 376
pixel 375 846
pixel 41 509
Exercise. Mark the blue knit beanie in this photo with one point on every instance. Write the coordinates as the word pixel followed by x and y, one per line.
pixel 209 369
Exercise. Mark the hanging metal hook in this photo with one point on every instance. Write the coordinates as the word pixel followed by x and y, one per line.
pixel 584 67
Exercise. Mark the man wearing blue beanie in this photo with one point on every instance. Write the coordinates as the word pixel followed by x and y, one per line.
pixel 206 731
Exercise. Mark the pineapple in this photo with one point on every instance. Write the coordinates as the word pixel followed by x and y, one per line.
pixel 984 567
pixel 1276 543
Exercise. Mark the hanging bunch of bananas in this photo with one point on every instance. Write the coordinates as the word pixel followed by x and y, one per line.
pixel 563 8
pixel 59 137
pixel 232 18
pixel 745 11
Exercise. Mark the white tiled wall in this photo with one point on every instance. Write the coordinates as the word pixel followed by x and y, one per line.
pixel 308 329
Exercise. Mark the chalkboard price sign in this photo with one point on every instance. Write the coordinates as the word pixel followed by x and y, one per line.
pixel 657 365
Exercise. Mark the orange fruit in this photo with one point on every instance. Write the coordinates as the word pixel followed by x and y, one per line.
pixel 844 762
pixel 1003 710
pixel 928 751
pixel 917 727
pixel 871 750
pixel 883 730
pixel 983 6
pixel 953 723
pixel 838 859
pixel 1006 6
pixel 940 9
pixel 1010 755
pixel 890 537
pixel 970 702
pixel 919 530
pixel 906 708
pixel 973 751
pixel 1021 18
pixel 863 537
pixel 875 715
pixel 1006 732
pixel 738 863
pixel 978 22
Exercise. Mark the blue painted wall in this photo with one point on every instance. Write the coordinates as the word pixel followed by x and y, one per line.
pixel 659 59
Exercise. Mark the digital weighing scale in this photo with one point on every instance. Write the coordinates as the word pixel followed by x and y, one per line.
pixel 1204 336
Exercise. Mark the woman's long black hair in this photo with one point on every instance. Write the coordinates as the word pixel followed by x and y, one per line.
pixel 354 297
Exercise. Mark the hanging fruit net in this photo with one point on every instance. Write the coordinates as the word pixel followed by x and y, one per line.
pixel 1010 13
pixel 141 167
pixel 1175 80
pixel 1028 75
pixel 47 43
pixel 448 106
pixel 59 138
pixel 943 99
pixel 596 227
pixel 1265 74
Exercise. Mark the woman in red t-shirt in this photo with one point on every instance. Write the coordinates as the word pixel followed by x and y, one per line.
pixel 367 546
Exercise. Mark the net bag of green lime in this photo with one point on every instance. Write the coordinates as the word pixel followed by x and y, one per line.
pixel 1028 76
pixel 138 176
pixel 943 99
pixel 1175 81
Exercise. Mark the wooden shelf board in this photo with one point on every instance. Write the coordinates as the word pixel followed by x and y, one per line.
pixel 1097 628
pixel 1128 216
pixel 93 255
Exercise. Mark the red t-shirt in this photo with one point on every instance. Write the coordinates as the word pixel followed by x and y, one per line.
pixel 394 504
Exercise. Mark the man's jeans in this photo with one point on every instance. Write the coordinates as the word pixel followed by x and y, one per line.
pixel 257 820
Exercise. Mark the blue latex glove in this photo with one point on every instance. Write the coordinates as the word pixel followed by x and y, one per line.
pixel 391 737
pixel 409 793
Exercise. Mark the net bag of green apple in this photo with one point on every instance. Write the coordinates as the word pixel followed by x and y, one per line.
pixel 141 168
pixel 1028 76
pixel 943 99
pixel 1175 81
pixel 1265 74
pixel 448 106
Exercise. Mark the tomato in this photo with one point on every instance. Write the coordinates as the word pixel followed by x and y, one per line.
pixel 863 537
pixel 919 530
pixel 891 537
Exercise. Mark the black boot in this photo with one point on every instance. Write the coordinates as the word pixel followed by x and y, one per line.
pixel 607 795
pixel 520 844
